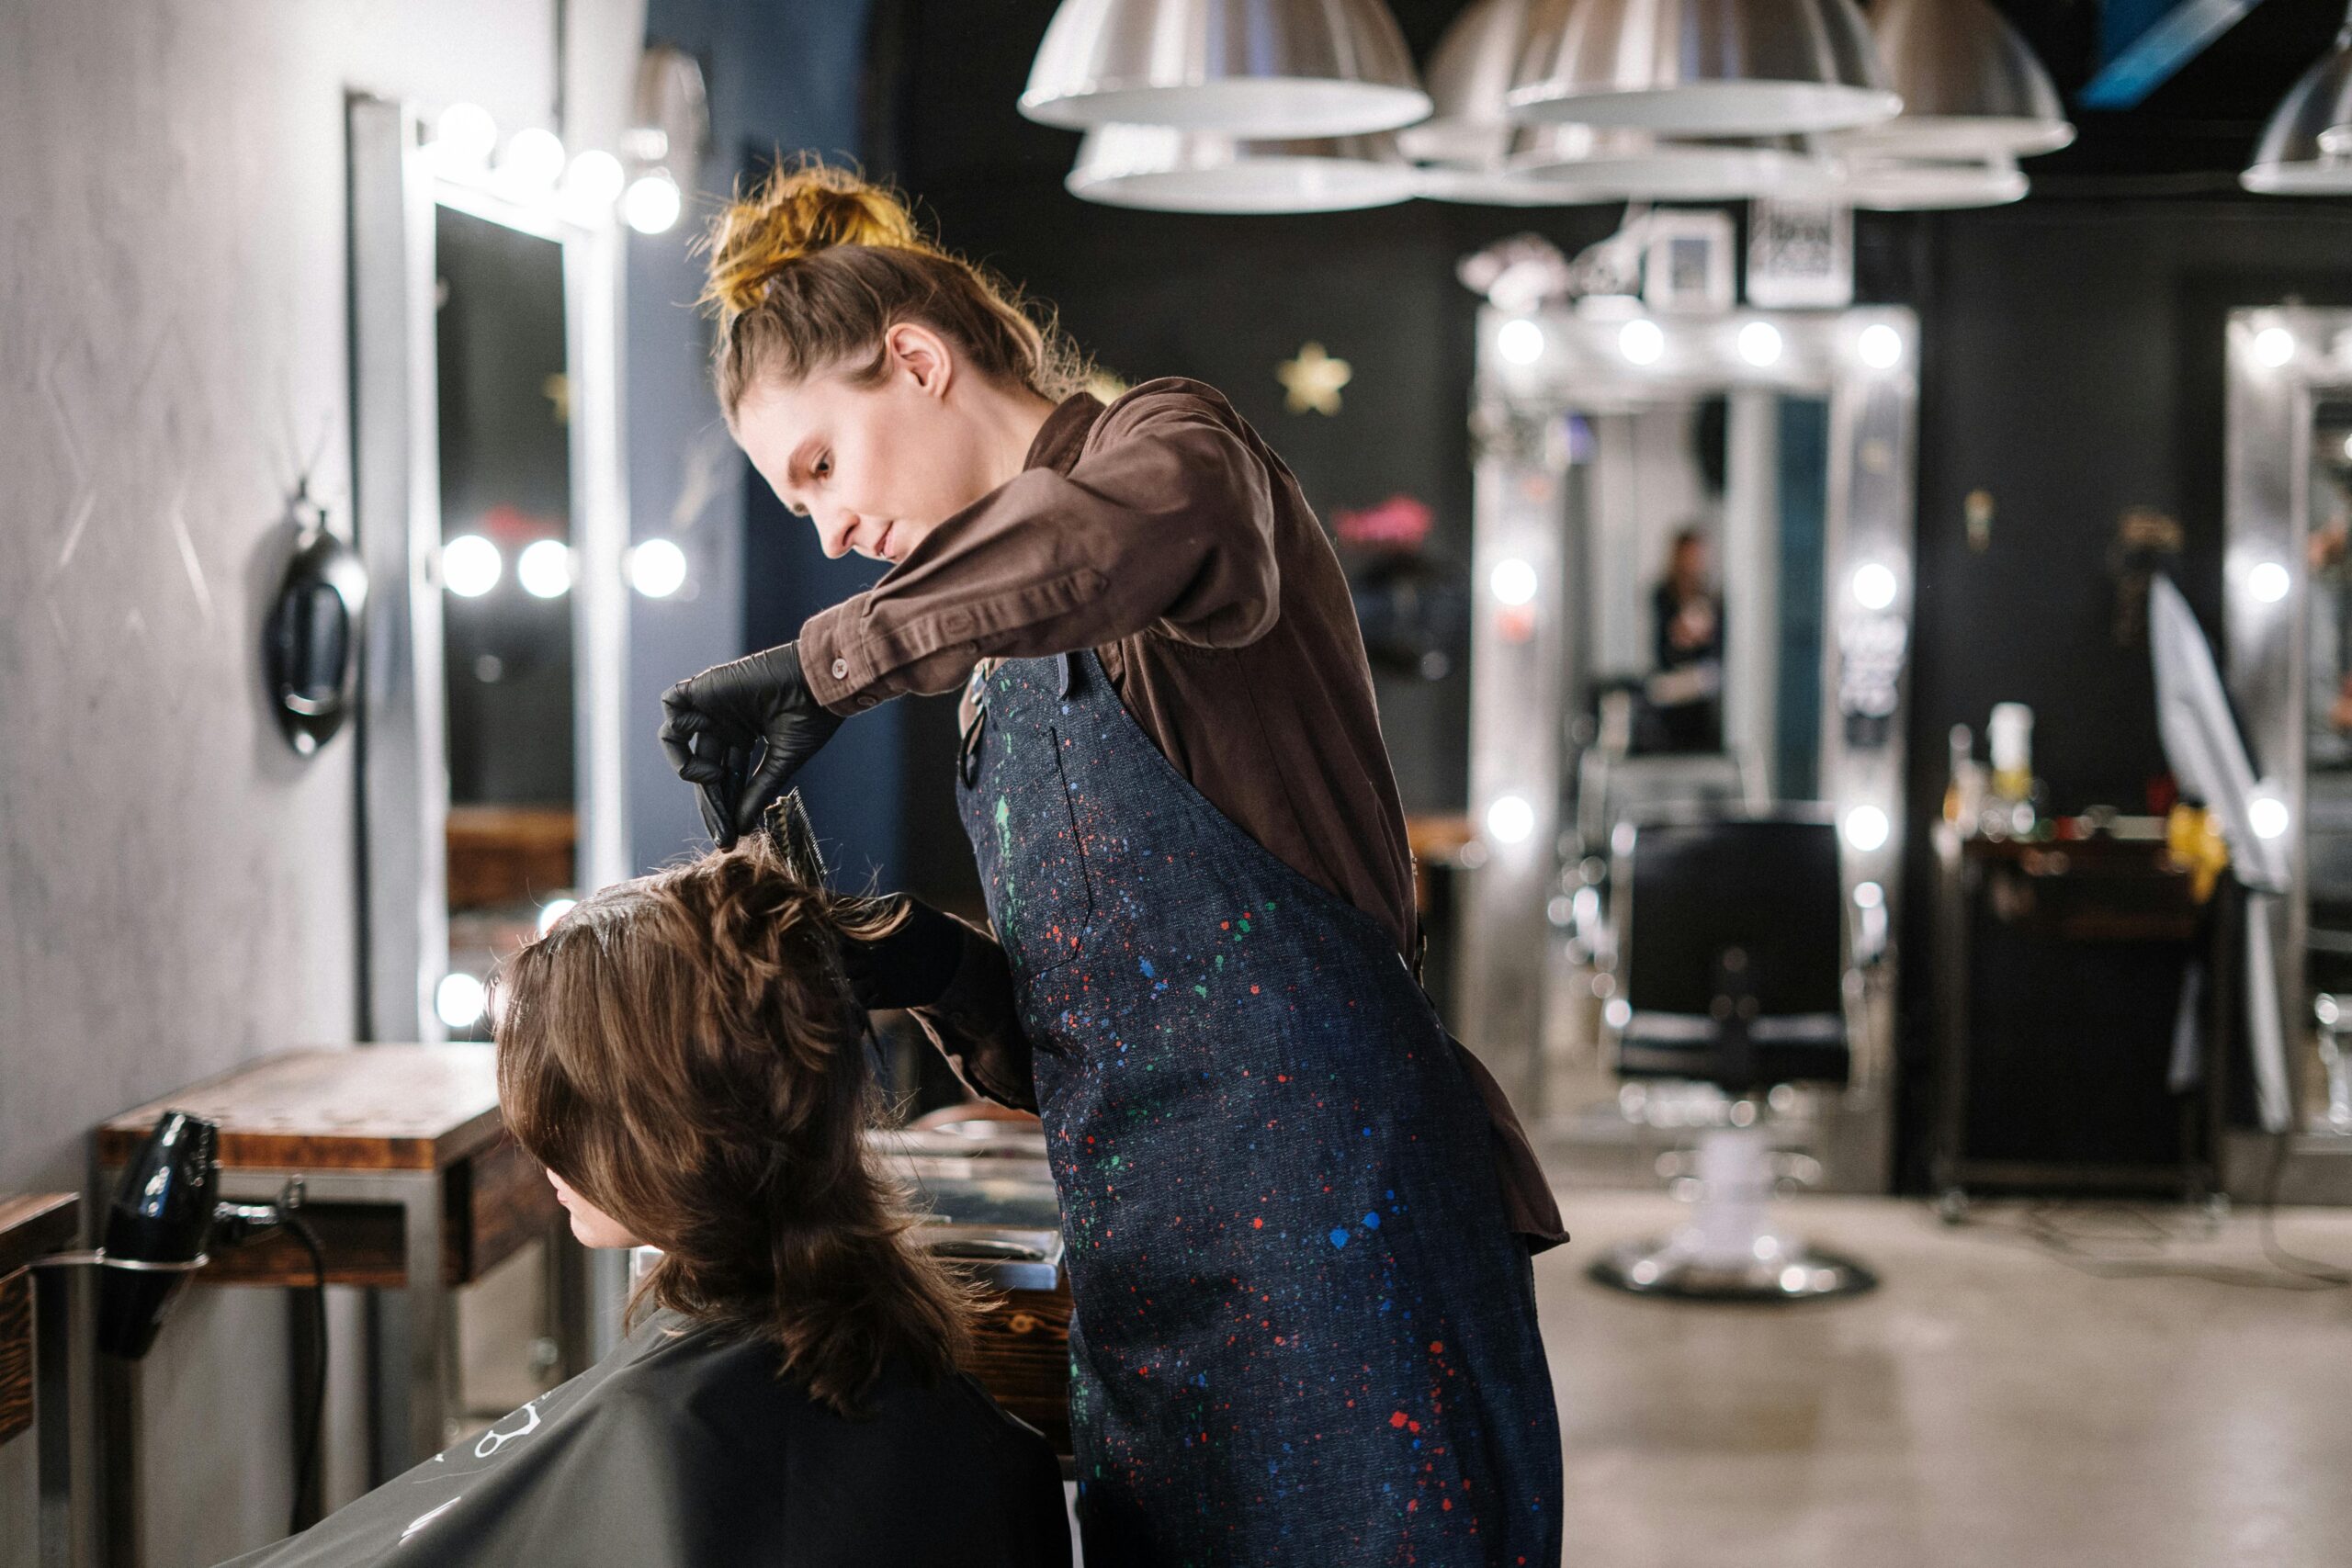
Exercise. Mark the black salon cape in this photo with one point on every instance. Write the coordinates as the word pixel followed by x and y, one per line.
pixel 683 1450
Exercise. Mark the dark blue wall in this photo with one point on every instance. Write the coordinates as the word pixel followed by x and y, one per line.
pixel 783 74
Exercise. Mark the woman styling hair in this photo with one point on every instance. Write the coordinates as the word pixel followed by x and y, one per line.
pixel 684 1054
pixel 1298 1215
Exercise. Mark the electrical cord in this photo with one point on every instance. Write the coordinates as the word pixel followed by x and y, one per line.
pixel 2120 1241
pixel 313 1412
pixel 2322 1276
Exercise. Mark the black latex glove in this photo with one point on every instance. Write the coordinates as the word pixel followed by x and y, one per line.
pixel 716 720
pixel 912 966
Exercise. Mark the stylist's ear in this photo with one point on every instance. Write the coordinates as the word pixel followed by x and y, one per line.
pixel 923 355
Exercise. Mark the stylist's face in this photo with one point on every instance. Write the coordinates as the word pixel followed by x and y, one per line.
pixel 875 468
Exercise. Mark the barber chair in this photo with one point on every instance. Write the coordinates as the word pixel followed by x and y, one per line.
pixel 1731 963
pixel 1610 785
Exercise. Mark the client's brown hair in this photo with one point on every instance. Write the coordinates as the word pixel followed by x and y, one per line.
pixel 683 1050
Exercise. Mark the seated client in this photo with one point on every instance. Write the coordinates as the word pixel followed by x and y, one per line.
pixel 685 1053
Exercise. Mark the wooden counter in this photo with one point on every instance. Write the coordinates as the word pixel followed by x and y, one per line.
pixel 30 1227
pixel 409 1180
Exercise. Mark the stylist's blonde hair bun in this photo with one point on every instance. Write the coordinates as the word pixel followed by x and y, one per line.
pixel 795 212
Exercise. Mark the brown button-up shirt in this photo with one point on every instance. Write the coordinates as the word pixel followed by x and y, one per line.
pixel 1161 531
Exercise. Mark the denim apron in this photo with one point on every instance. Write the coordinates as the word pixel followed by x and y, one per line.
pixel 1304 1332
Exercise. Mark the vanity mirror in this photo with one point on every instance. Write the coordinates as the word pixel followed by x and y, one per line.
pixel 489 506
pixel 2287 607
pixel 485 323
pixel 1692 561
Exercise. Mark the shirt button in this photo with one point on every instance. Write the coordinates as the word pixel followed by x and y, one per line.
pixel 867 701
pixel 841 668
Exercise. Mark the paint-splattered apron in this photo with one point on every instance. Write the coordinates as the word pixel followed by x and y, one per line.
pixel 1304 1332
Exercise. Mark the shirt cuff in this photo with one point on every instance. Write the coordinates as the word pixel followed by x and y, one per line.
pixel 833 662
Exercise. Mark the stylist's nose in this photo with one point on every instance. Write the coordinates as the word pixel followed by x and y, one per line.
pixel 835 532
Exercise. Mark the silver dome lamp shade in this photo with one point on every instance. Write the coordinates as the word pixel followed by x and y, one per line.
pixel 1247 68
pixel 2306 147
pixel 1970 84
pixel 1702 67
pixel 1633 165
pixel 1524 174
pixel 1162 169
pixel 1883 184
pixel 1469 74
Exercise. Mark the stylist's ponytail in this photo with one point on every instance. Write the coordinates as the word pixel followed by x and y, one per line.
pixel 808 271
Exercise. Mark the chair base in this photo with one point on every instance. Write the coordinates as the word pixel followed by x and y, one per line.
pixel 1676 1267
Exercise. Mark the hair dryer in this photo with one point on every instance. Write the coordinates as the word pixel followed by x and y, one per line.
pixel 164 1217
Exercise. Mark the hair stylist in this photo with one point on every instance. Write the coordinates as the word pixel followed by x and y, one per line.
pixel 1299 1216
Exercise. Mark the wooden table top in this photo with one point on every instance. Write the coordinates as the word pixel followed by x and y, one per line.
pixel 34 1224
pixel 349 1107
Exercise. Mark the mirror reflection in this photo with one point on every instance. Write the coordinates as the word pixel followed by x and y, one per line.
pixel 1696 643
pixel 1662 525
pixel 505 470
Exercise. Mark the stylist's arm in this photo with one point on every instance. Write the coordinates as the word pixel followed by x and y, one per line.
pixel 713 724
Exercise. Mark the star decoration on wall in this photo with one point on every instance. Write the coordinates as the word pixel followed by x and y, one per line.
pixel 1312 381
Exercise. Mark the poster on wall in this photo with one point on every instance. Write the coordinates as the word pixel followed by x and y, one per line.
pixel 1800 254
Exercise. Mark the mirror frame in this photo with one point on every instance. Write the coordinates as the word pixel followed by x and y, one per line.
pixel 2267 662
pixel 1510 964
pixel 404 782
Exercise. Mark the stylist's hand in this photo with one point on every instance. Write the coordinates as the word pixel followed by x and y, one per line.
pixel 715 720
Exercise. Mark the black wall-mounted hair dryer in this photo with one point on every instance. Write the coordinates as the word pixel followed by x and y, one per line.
pixel 164 1214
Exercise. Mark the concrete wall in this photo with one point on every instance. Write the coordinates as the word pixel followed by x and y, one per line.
pixel 177 890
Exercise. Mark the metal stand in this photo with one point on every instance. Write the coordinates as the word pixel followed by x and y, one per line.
pixel 1729 1251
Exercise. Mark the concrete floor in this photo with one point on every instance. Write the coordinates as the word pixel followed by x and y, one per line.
pixel 1988 1406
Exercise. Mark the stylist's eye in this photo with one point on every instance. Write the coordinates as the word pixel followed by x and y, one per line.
pixel 825 466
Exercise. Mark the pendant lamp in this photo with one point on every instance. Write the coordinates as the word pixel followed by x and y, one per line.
pixel 1702 67
pixel 1520 174
pixel 1163 169
pixel 1247 68
pixel 1970 84
pixel 1469 74
pixel 1885 183
pixel 2306 147
pixel 1633 165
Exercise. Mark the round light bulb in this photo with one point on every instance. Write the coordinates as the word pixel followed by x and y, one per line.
pixel 1880 346
pixel 1866 828
pixel 1513 582
pixel 657 569
pixel 470 566
pixel 553 911
pixel 1868 895
pixel 2267 814
pixel 2347 447
pixel 1509 819
pixel 543 568
pixel 1874 585
pixel 1520 341
pixel 1617 1012
pixel 1760 343
pixel 464 135
pixel 2268 581
pixel 652 203
pixel 2274 346
pixel 1641 341
pixel 458 999
pixel 594 183
pixel 533 158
